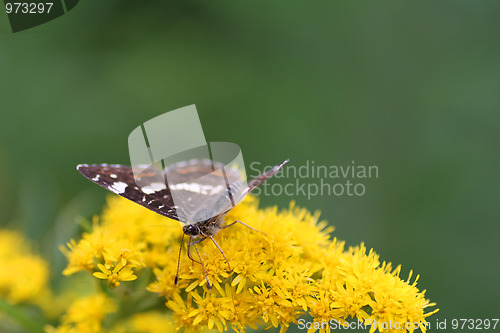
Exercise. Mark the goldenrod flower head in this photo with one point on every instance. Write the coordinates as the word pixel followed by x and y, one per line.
pixel 290 268
pixel 85 315
pixel 23 274
pixel 149 322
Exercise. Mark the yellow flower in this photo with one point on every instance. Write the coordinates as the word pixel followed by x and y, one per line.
pixel 85 315
pixel 80 256
pixel 149 322
pixel 23 275
pixel 292 267
pixel 119 273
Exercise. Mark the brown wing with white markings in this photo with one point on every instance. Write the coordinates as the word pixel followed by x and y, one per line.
pixel 119 179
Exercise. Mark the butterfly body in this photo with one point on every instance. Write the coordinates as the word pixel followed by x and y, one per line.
pixel 206 228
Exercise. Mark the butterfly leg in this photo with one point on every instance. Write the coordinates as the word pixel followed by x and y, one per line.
pixel 202 265
pixel 246 225
pixel 194 243
pixel 189 255
pixel 227 261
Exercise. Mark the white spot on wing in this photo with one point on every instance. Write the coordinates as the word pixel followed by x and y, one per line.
pixel 96 178
pixel 113 176
pixel 118 187
pixel 81 166
pixel 197 188
pixel 181 164
pixel 153 187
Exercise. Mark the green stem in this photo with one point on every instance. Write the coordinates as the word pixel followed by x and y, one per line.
pixel 14 312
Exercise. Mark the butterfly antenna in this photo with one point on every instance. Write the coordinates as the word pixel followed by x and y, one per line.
pixel 203 266
pixel 179 261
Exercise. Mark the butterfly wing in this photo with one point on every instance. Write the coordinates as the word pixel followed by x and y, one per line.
pixel 239 190
pixel 235 191
pixel 203 187
pixel 265 176
pixel 119 179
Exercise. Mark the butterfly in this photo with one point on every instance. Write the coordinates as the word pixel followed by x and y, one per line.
pixel 200 200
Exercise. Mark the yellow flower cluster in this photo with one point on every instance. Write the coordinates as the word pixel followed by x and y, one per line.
pixel 85 315
pixel 88 313
pixel 23 274
pixel 292 267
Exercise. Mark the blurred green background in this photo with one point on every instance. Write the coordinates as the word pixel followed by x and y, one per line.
pixel 411 87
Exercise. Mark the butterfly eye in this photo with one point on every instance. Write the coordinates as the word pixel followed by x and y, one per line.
pixel 191 230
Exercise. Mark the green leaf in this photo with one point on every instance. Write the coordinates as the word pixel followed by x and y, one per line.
pixel 20 317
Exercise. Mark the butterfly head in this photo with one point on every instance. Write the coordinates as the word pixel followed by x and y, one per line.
pixel 191 230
